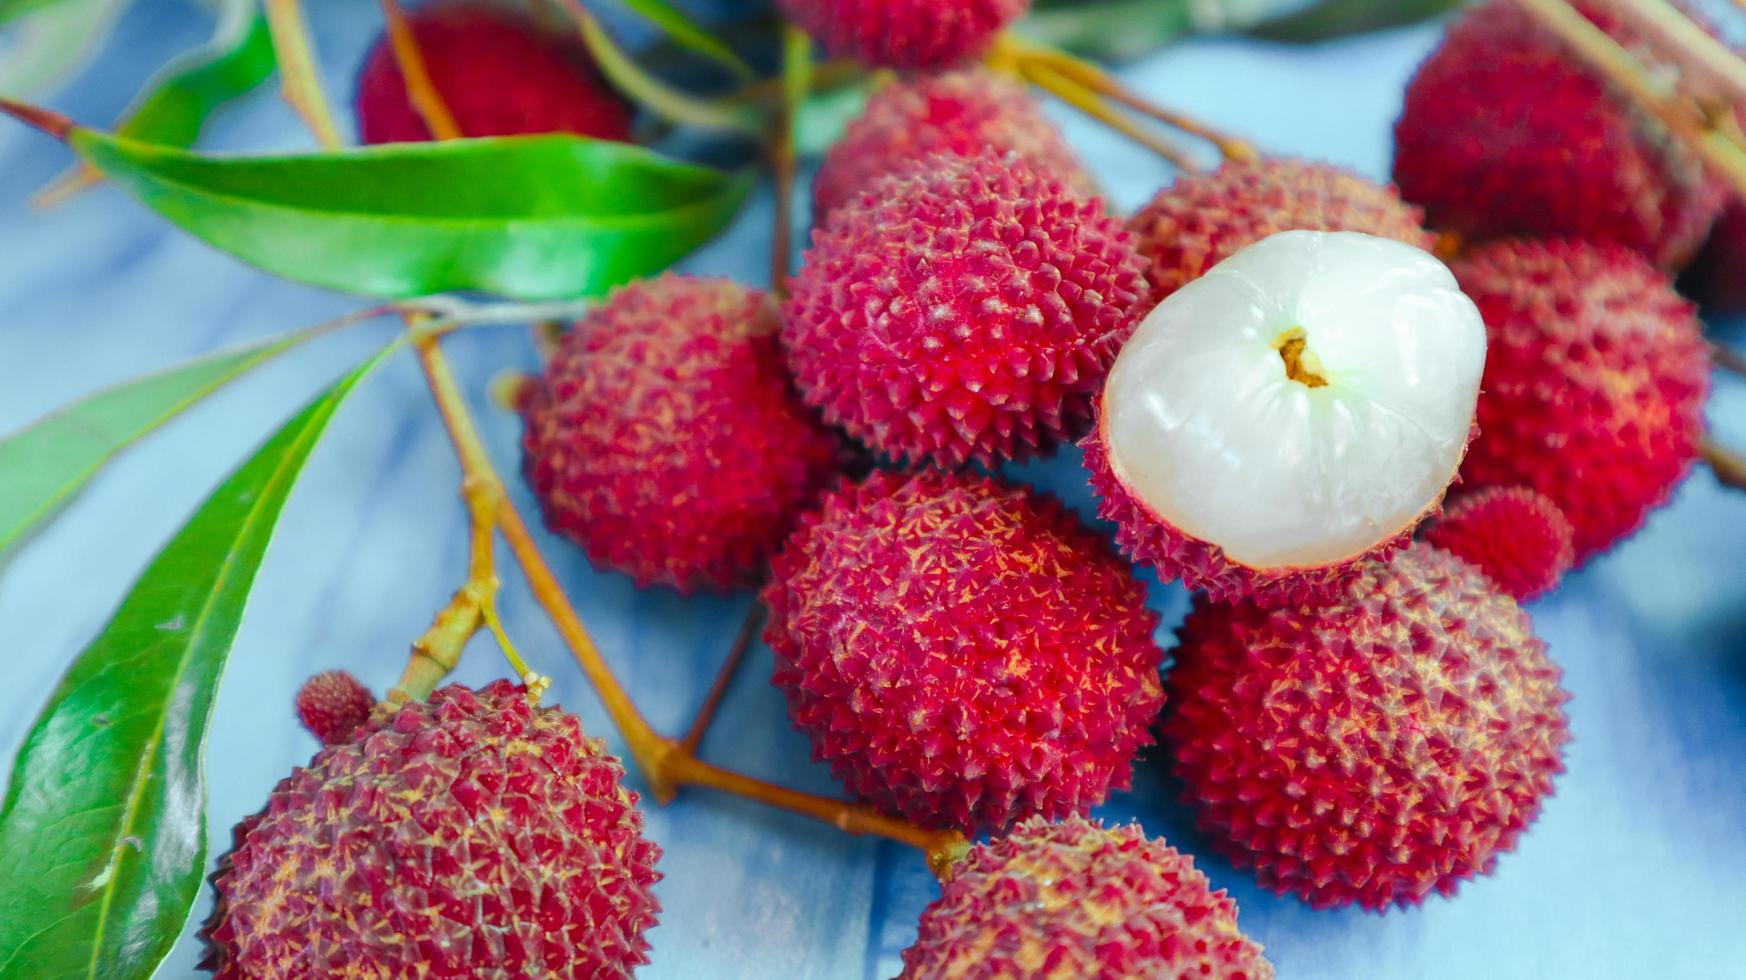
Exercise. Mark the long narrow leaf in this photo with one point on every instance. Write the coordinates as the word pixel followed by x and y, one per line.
pixel 531 217
pixel 45 42
pixel 44 464
pixel 688 34
pixel 101 840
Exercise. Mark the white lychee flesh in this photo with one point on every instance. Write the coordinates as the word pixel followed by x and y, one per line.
pixel 1305 400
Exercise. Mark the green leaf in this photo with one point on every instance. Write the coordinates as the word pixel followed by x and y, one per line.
pixel 1110 30
pixel 101 840
pixel 693 37
pixel 1340 18
pixel 530 217
pixel 47 40
pixel 43 465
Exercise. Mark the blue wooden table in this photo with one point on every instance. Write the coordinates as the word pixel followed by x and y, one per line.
pixel 1636 869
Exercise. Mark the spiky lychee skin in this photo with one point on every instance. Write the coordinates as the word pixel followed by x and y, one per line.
pixel 1595 378
pixel 1203 219
pixel 905 33
pixel 1374 749
pixel 959 113
pixel 499 74
pixel 963 651
pixel 1717 278
pixel 1175 554
pixel 1078 899
pixel 471 835
pixel 666 437
pixel 1516 536
pixel 332 705
pixel 1503 133
pixel 963 308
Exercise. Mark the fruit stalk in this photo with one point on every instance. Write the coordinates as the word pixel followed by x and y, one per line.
pixel 420 90
pixel 653 93
pixel 1729 468
pixel 796 82
pixel 1085 100
pixel 1720 73
pixel 301 83
pixel 729 667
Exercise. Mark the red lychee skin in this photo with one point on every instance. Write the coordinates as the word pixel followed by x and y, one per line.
pixel 666 438
pixel 470 835
pixel 960 113
pixel 1372 750
pixel 962 308
pixel 905 33
pixel 1149 539
pixel 1077 899
pixel 1717 278
pixel 962 651
pixel 498 73
pixel 1504 133
pixel 1516 536
pixel 1203 219
pixel 332 705
pixel 1595 378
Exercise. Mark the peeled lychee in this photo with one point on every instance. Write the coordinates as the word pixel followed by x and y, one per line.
pixel 1594 384
pixel 1299 408
pixel 1380 747
pixel 963 308
pixel 1517 537
pixel 471 835
pixel 1506 133
pixel 960 113
pixel 332 705
pixel 666 438
pixel 1203 219
pixel 1077 899
pixel 962 651
pixel 499 74
pixel 905 33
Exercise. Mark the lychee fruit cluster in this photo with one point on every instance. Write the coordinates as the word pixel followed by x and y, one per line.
pixel 498 73
pixel 666 438
pixel 961 651
pixel 964 308
pixel 1505 133
pixel 332 705
pixel 960 113
pixel 471 835
pixel 1595 382
pixel 1374 749
pixel 905 33
pixel 1077 899
pixel 1517 537
pixel 1297 410
pixel 1203 219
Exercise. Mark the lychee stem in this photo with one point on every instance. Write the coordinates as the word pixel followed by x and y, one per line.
pixel 1727 358
pixel 420 90
pixel 301 85
pixel 796 82
pixel 729 667
pixel 52 123
pixel 1730 469
pixel 1721 71
pixel 1079 97
pixel 1686 122
pixel 653 93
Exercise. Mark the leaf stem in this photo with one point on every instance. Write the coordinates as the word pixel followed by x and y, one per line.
pixel 723 678
pixel 415 74
pixel 52 123
pixel 301 80
pixel 1617 65
pixel 1729 467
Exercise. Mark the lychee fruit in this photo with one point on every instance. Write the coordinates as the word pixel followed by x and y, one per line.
pixel 1078 899
pixel 1717 278
pixel 1203 219
pixel 959 113
pixel 471 835
pixel 905 33
pixel 1387 744
pixel 1594 384
pixel 1517 537
pixel 1299 408
pixel 666 438
pixel 963 651
pixel 963 308
pixel 1505 133
pixel 332 705
pixel 499 74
